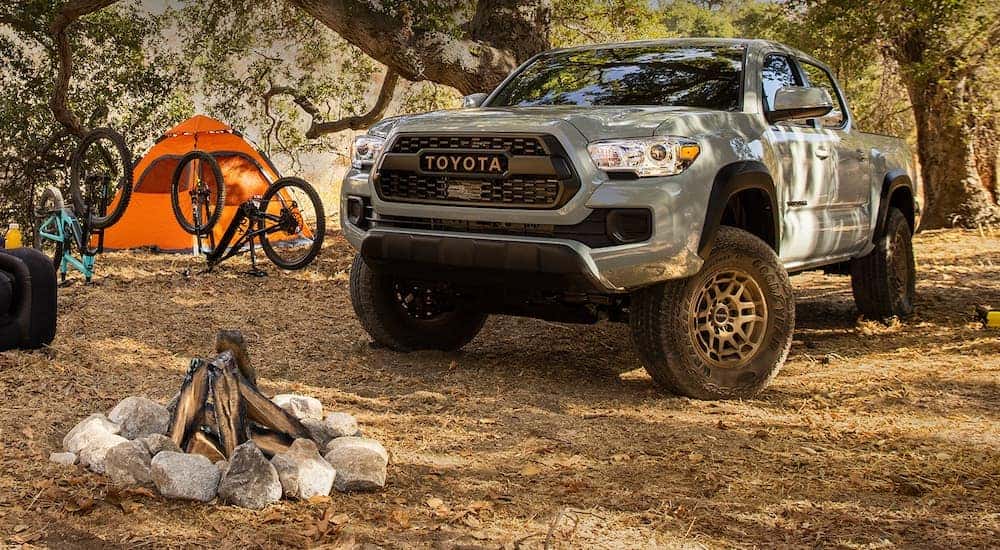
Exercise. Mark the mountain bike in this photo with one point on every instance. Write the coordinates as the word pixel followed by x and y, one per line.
pixel 100 190
pixel 287 221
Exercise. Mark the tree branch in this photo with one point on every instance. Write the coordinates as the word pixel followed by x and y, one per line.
pixel 390 37
pixel 70 12
pixel 318 127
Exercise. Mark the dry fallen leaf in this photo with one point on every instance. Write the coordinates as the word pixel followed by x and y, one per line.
pixel 400 517
pixel 435 502
pixel 530 470
pixel 696 457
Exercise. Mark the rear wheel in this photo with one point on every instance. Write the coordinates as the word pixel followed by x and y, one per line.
pixel 884 281
pixel 197 193
pixel 405 315
pixel 101 178
pixel 294 223
pixel 47 212
pixel 723 333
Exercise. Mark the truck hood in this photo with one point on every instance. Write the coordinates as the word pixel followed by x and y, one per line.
pixel 593 122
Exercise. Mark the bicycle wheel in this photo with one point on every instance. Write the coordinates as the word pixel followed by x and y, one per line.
pixel 101 177
pixel 47 211
pixel 294 223
pixel 197 193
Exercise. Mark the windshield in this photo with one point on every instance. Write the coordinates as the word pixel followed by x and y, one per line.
pixel 688 76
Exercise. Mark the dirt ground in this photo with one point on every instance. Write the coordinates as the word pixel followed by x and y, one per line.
pixel 538 434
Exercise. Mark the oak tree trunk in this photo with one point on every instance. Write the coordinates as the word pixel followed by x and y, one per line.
pixel 958 154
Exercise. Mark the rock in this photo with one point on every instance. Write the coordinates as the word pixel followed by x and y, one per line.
pixel 360 463
pixel 179 475
pixel 66 459
pixel 250 481
pixel 299 406
pixel 89 428
pixel 303 472
pixel 94 454
pixel 139 417
pixel 158 443
pixel 127 464
pixel 222 465
pixel 333 426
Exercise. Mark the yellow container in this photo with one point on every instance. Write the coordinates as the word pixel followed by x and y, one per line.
pixel 13 238
pixel 993 319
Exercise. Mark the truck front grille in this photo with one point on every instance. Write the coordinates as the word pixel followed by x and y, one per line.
pixel 536 172
pixel 527 191
pixel 515 145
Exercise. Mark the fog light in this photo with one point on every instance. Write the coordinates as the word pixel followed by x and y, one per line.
pixel 629 225
pixel 356 211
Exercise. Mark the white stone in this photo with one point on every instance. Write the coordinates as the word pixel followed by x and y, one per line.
pixel 250 481
pixel 360 463
pixel 180 475
pixel 303 472
pixel 66 459
pixel 299 406
pixel 127 464
pixel 139 417
pixel 93 426
pixel 335 425
pixel 158 443
pixel 93 455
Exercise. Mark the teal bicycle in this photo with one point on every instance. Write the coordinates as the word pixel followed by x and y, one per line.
pixel 100 187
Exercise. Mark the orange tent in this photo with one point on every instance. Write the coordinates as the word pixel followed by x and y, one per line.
pixel 149 219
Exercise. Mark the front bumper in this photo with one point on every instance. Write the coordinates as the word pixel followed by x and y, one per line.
pixel 670 253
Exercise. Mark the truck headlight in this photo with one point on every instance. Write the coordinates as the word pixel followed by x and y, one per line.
pixel 657 156
pixel 365 150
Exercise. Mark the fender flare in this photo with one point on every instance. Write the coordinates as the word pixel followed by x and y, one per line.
pixel 893 181
pixel 730 180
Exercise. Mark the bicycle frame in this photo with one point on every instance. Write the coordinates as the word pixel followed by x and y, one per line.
pixel 54 229
pixel 248 211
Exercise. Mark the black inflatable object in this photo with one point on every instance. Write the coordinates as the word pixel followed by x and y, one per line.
pixel 27 299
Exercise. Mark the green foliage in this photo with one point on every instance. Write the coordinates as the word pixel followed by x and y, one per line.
pixel 123 79
pixel 237 50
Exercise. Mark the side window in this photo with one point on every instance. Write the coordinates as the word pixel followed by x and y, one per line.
pixel 819 78
pixel 778 72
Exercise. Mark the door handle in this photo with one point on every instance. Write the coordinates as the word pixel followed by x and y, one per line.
pixel 821 151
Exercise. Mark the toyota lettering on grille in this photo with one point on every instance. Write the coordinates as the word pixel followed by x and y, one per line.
pixel 494 164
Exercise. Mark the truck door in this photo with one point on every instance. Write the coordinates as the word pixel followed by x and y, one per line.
pixel 805 160
pixel 849 209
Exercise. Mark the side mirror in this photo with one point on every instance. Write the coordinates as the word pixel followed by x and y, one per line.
pixel 474 100
pixel 796 102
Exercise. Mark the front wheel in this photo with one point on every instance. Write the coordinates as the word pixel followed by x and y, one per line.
pixel 197 193
pixel 723 333
pixel 294 223
pixel 884 281
pixel 405 315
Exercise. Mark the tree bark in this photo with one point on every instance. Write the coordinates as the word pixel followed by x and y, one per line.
pixel 958 153
pixel 319 127
pixel 470 63
pixel 58 103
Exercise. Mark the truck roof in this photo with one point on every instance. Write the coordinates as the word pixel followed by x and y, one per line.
pixel 748 43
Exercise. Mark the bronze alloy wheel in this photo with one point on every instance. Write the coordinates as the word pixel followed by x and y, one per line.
pixel 728 319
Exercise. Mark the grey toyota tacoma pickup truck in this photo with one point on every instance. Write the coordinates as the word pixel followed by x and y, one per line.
pixel 672 185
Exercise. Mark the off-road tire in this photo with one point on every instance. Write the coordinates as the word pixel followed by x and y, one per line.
pixel 884 281
pixel 76 178
pixel 660 318
pixel 220 194
pixel 390 327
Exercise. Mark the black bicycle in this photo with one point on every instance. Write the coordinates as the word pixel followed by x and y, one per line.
pixel 287 221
